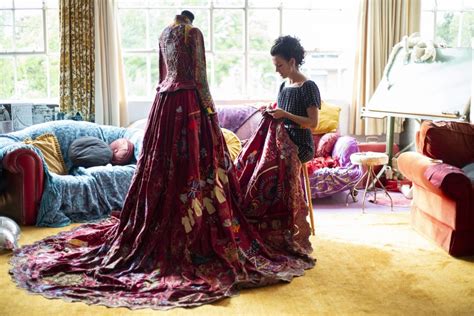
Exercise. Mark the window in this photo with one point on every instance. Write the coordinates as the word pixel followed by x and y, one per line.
pixel 448 22
pixel 29 49
pixel 238 37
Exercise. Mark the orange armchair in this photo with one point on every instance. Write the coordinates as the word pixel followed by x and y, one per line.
pixel 443 195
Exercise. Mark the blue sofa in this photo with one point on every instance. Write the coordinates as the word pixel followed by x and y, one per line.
pixel 30 194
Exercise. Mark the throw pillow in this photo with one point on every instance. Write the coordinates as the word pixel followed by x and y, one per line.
pixel 89 152
pixel 328 119
pixel 233 143
pixel 122 151
pixel 49 146
pixel 326 145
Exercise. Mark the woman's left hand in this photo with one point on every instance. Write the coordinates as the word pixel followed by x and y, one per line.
pixel 277 113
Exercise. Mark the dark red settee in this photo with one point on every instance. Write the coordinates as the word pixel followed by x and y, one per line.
pixel 443 195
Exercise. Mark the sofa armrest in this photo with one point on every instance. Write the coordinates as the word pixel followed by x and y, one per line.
pixel 413 166
pixel 24 176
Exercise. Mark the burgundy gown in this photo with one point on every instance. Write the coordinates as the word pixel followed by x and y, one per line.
pixel 182 238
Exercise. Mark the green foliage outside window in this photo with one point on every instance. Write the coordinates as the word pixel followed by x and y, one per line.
pixel 447 29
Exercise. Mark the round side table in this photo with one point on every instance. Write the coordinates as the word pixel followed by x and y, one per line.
pixel 369 160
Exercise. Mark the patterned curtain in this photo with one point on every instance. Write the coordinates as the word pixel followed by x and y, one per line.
pixel 77 59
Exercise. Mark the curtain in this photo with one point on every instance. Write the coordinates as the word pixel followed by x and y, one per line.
pixel 110 99
pixel 77 59
pixel 382 24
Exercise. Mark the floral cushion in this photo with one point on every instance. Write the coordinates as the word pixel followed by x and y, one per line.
pixel 326 145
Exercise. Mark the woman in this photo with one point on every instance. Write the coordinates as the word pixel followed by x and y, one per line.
pixel 298 99
pixel 269 166
pixel 181 239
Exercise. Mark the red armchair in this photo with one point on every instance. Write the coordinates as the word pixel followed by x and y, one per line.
pixel 23 179
pixel 443 196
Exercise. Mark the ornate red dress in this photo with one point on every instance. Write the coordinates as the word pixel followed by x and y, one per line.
pixel 181 238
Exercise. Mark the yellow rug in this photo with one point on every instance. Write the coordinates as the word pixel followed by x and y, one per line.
pixel 367 263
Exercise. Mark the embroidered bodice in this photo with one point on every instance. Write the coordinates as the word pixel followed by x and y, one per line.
pixel 183 61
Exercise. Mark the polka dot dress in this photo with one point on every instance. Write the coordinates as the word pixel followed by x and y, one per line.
pixel 296 100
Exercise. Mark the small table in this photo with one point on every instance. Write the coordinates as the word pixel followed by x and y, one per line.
pixel 369 160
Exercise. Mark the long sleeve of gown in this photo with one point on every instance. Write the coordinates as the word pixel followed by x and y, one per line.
pixel 161 65
pixel 196 42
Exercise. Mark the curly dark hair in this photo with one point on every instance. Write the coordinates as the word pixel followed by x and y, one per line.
pixel 288 47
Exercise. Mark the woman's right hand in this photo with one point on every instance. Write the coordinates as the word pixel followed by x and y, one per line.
pixel 269 106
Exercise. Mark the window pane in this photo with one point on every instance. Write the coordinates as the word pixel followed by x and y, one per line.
pixel 264 3
pixel 29 30
pixel 333 4
pixel 52 27
pixel 263 80
pixel 194 3
pixel 428 4
pixel 29 4
pixel 315 35
pixel 229 3
pixel 210 69
pixel 296 4
pixel 162 3
pixel 202 21
pixel 159 19
pixel 7 81
pixel 427 25
pixel 229 32
pixel 447 25
pixel 6 4
pixel 52 4
pixel 449 4
pixel 6 31
pixel 31 80
pixel 265 29
pixel 228 76
pixel 467 29
pixel 135 69
pixel 132 4
pixel 469 4
pixel 54 76
pixel 328 71
pixel 155 72
pixel 133 28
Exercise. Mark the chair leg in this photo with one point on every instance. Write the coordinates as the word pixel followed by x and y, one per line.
pixel 308 197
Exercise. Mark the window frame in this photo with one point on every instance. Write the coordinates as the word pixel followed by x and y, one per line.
pixel 45 52
pixel 435 9
pixel 247 53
